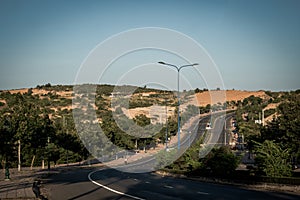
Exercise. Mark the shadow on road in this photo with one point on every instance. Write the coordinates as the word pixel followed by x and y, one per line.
pixel 76 185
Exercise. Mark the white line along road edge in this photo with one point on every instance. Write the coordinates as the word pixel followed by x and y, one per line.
pixel 110 189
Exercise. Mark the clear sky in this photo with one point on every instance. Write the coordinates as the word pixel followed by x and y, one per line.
pixel 255 44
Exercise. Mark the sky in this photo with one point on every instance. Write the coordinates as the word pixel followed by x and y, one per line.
pixel 255 45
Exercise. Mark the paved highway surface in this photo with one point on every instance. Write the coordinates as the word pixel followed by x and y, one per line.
pixel 104 183
pixel 109 184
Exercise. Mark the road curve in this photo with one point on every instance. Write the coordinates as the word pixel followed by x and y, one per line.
pixel 107 183
pixel 104 184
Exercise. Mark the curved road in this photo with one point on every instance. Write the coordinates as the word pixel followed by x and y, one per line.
pixel 105 184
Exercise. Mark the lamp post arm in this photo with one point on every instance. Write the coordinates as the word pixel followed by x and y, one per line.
pixel 177 68
pixel 186 66
pixel 167 64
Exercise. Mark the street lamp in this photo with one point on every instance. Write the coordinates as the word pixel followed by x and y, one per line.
pixel 166 140
pixel 178 97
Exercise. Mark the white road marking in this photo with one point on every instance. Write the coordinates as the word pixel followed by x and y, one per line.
pixel 147 182
pixel 203 193
pixel 168 186
pixel 110 189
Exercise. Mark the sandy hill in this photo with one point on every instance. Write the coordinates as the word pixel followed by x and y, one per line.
pixel 206 97
pixel 200 99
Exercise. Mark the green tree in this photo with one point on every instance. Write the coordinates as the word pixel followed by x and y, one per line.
pixel 52 153
pixel 142 120
pixel 7 141
pixel 190 160
pixel 164 158
pixel 272 160
pixel 221 161
pixel 284 130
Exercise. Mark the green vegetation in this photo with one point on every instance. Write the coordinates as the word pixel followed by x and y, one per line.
pixel 277 144
pixel 26 118
pixel 221 162
pixel 272 160
pixel 44 124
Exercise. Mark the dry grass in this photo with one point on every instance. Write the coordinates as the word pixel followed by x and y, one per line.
pixel 213 97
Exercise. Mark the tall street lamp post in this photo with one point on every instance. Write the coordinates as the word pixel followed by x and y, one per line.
pixel 166 140
pixel 178 96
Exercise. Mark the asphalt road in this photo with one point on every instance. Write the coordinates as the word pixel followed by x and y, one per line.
pixel 149 163
pixel 222 140
pixel 110 184
pixel 104 183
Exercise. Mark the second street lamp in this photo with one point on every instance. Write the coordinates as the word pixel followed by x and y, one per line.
pixel 178 96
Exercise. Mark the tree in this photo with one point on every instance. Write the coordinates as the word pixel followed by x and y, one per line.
pixel 7 142
pixel 165 158
pixel 142 120
pixel 52 153
pixel 272 160
pixel 190 160
pixel 197 90
pixel 284 130
pixel 221 161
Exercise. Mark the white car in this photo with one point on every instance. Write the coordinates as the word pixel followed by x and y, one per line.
pixel 208 126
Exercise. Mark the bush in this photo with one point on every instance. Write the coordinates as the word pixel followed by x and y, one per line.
pixel 272 161
pixel 221 162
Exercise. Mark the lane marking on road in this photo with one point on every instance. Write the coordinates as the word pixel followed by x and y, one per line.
pixel 205 193
pixel 110 189
pixel 168 186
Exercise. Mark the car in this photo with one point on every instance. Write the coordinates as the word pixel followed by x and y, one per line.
pixel 208 126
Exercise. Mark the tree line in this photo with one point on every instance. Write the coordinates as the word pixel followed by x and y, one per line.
pixel 24 119
pixel 275 146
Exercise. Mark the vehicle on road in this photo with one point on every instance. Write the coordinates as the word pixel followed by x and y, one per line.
pixel 208 126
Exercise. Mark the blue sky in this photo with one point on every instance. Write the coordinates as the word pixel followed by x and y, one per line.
pixel 255 44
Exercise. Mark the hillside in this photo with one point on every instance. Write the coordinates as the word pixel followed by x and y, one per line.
pixel 65 93
pixel 45 113
pixel 204 98
pixel 144 101
pixel 201 99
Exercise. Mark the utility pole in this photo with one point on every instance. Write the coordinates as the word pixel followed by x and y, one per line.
pixel 166 124
pixel 43 163
pixel 263 117
pixel 19 155
pixel 225 130
pixel 48 154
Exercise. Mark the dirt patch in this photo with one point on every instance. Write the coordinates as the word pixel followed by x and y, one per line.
pixel 204 98
pixel 272 106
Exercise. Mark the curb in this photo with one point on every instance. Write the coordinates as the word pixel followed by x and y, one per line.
pixel 295 190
